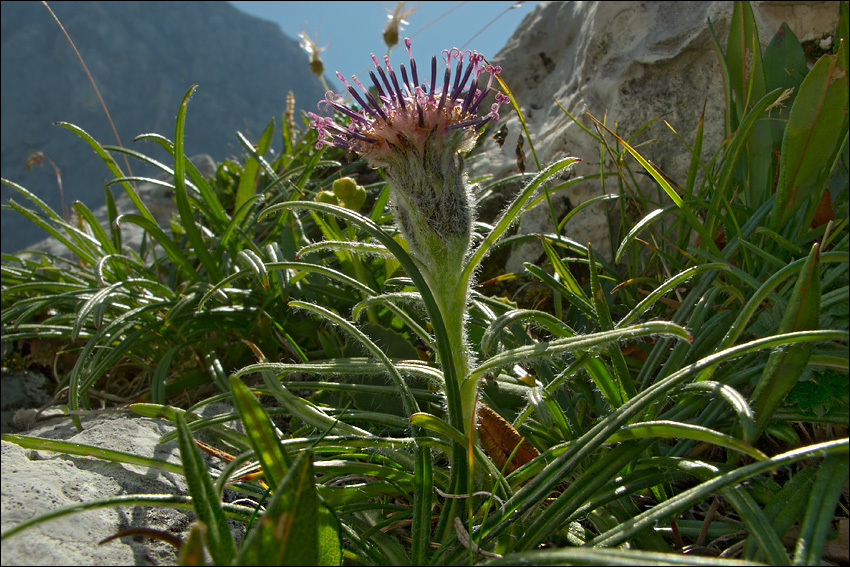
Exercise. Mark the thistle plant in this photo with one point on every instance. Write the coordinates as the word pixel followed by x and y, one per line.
pixel 416 132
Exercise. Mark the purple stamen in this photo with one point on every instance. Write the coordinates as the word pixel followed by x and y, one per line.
pixel 360 136
pixel 458 88
pixel 395 84
pixel 433 77
pixel 474 106
pixel 469 96
pixel 477 122
pixel 348 112
pixel 455 90
pixel 376 104
pixel 361 102
pixel 383 78
pixel 377 84
pixel 405 79
pixel 413 72
pixel 445 88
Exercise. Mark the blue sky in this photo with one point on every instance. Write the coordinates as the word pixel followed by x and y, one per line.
pixel 353 30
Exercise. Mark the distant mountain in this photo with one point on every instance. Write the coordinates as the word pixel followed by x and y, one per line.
pixel 143 56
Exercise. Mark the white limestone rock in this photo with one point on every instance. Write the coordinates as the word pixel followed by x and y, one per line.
pixel 38 481
pixel 631 62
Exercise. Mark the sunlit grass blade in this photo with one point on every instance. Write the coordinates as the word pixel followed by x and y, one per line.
pixel 512 214
pixel 174 253
pixel 187 216
pixel 116 171
pixel 178 501
pixel 673 430
pixel 667 286
pixel 746 418
pixel 638 228
pixel 205 497
pixel 71 448
pixel 620 557
pixel 261 433
pixel 409 402
pixel 577 343
pixel 531 494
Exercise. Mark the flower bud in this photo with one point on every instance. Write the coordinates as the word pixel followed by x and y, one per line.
pixel 326 197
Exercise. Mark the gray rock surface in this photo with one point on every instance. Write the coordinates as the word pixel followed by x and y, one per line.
pixel 143 56
pixel 631 61
pixel 38 481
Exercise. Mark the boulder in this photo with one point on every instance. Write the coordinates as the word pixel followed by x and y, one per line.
pixel 626 63
pixel 39 481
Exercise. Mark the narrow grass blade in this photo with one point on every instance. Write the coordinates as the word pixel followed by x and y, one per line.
pixel 578 343
pixel 784 368
pixel 512 214
pixel 84 450
pixel 205 497
pixel 116 171
pixel 675 430
pixel 817 525
pixel 261 433
pixel 691 496
pixel 174 254
pixel 187 217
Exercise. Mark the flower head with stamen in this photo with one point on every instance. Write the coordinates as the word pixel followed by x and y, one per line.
pixel 415 130
pixel 409 113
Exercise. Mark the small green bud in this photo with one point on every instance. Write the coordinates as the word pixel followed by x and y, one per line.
pixel 344 187
pixel 350 193
pixel 326 197
pixel 356 201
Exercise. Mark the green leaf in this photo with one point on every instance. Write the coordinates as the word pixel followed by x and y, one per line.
pixel 675 430
pixel 816 128
pixel 205 497
pixel 187 217
pixel 784 367
pixel 625 386
pixel 817 525
pixel 261 433
pixel 110 163
pixel 743 54
pixel 288 532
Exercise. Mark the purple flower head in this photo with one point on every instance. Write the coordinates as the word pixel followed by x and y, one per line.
pixel 407 115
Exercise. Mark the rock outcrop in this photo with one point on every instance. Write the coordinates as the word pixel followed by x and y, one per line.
pixel 37 481
pixel 627 62
pixel 143 56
